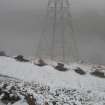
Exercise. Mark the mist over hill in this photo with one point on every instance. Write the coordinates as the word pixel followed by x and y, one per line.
pixel 21 25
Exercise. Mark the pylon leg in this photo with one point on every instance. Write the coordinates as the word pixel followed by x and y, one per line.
pixel 58 40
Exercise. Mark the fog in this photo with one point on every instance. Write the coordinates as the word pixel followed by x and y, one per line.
pixel 21 24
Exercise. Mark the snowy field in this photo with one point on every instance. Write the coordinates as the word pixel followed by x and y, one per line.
pixel 49 86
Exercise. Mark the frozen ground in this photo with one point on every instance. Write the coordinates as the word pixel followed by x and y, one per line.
pixel 50 76
pixel 18 91
pixel 47 84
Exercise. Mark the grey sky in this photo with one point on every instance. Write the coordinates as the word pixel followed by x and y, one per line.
pixel 21 21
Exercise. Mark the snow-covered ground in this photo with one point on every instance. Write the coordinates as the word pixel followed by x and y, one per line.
pixel 19 94
pixel 65 88
pixel 50 76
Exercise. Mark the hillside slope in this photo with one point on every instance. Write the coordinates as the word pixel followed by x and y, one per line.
pixel 49 76
pixel 24 83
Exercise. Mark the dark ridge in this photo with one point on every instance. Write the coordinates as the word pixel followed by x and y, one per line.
pixel 21 58
pixel 98 74
pixel 9 77
pixel 2 53
pixel 80 71
pixel 60 67
pixel 5 76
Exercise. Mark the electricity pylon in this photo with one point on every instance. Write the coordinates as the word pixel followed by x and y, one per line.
pixel 57 41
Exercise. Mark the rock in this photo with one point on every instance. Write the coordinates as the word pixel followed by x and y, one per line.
pixel 98 74
pixel 60 67
pixel 21 58
pixel 41 62
pixel 79 71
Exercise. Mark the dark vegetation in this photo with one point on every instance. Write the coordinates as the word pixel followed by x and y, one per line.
pixel 8 96
pixel 41 63
pixel 21 58
pixel 30 99
pixel 12 91
pixel 60 67
pixel 98 74
pixel 80 71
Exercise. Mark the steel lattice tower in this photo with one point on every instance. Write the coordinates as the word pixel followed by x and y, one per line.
pixel 57 41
